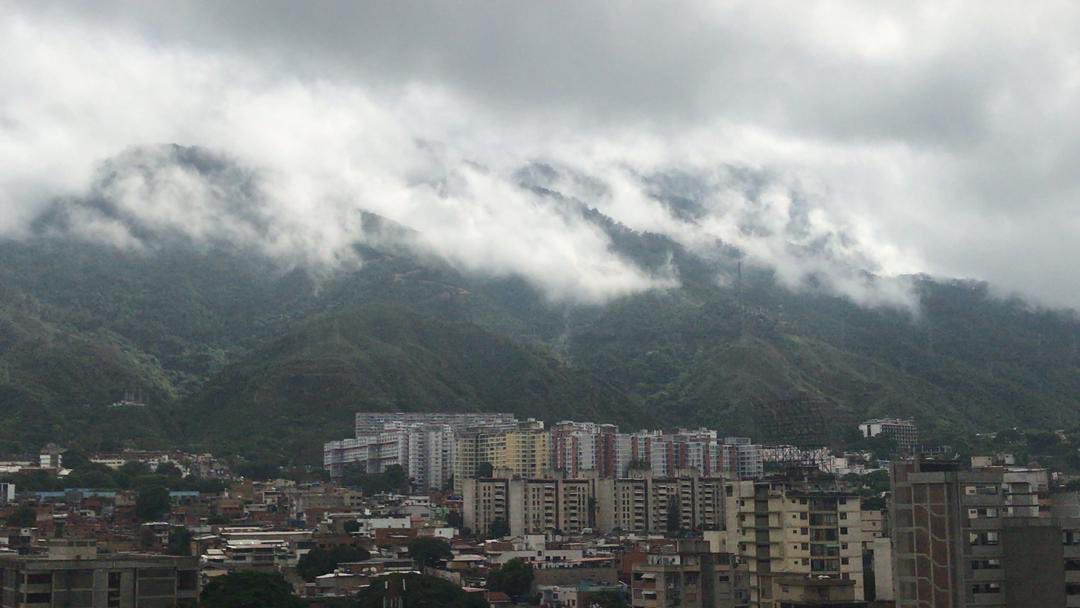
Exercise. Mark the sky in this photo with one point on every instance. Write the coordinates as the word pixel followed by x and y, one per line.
pixel 822 139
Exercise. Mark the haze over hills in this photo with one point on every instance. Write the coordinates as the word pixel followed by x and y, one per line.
pixel 231 346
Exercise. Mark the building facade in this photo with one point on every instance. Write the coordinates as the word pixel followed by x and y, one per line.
pixel 977 537
pixel 73 574
pixel 782 527
pixel 688 574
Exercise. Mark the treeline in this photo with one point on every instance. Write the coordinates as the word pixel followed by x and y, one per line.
pixel 131 476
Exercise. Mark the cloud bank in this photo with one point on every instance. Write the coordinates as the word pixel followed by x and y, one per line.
pixel 822 140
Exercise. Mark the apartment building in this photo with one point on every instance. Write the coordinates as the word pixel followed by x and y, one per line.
pixel 782 527
pixel 423 444
pixel 977 537
pixel 688 575
pixel 645 503
pixel 424 450
pixel 527 451
pixel 485 502
pixel 903 431
pixel 584 447
pixel 373 422
pixel 73 574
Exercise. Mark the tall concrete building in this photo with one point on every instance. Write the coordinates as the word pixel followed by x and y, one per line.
pixel 424 444
pixel 688 575
pixel 373 422
pixel 903 431
pixel 781 527
pixel 530 506
pixel 976 538
pixel 485 501
pixel 73 574
pixel 642 503
pixel 584 447
pixel 424 451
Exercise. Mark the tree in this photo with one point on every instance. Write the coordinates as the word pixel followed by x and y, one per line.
pixel 455 520
pixel 152 503
pixel 147 539
pixel 169 469
pixel 249 590
pixel 514 578
pixel 429 551
pixel 393 479
pixel 179 542
pixel 499 528
pixel 23 517
pixel 134 468
pixel 351 527
pixel 604 599
pixel 420 591
pixel 484 469
pixel 318 562
pixel 74 458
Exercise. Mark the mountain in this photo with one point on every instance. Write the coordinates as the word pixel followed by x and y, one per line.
pixel 304 387
pixel 235 351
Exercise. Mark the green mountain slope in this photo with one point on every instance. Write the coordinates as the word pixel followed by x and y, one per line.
pixel 302 389
pixel 236 352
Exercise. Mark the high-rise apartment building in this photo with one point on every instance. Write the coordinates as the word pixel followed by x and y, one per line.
pixel 530 506
pixel 373 422
pixel 781 527
pixel 584 447
pixel 422 444
pixel 903 431
pixel 688 574
pixel 645 503
pixel 74 574
pixel 977 537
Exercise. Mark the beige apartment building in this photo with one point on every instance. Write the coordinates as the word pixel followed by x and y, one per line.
pixel 783 527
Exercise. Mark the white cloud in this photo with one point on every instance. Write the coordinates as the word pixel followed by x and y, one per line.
pixel 930 137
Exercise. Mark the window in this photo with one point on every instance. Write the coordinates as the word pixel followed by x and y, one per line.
pixel 843 561
pixel 986 588
pixel 843 515
pixel 843 530
pixel 804 531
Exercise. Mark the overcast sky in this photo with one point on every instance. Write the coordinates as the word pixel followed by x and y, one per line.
pixel 914 137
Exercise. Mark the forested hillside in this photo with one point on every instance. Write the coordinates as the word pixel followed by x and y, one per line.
pixel 238 352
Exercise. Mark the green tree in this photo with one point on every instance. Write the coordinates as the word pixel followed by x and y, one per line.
pixel 169 469
pixel 514 578
pixel 604 599
pixel 393 479
pixel 429 551
pixel 318 562
pixel 22 517
pixel 499 528
pixel 485 469
pixel 91 475
pixel 419 591
pixel 134 468
pixel 152 503
pixel 455 520
pixel 179 542
pixel 74 458
pixel 249 590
